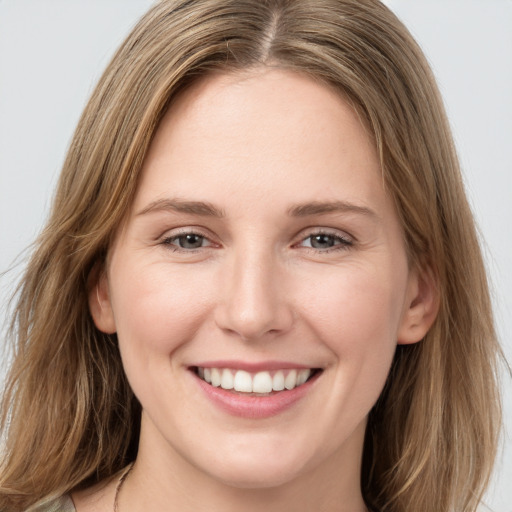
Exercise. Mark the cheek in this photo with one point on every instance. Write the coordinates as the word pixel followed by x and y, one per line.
pixel 155 313
pixel 357 316
pixel 364 303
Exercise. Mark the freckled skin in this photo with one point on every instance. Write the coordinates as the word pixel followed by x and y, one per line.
pixel 255 289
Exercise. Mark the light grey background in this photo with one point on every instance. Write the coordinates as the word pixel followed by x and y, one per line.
pixel 53 51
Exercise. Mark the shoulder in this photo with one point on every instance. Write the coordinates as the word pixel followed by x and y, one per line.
pixel 61 504
pixel 97 498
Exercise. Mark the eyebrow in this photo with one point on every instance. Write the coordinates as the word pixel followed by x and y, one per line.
pixel 320 208
pixel 207 209
pixel 181 206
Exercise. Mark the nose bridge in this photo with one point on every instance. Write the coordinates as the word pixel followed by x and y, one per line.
pixel 254 302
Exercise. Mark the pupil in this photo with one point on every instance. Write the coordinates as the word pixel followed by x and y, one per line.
pixel 322 241
pixel 191 241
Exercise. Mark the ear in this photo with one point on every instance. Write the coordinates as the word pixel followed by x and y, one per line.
pixel 99 300
pixel 421 306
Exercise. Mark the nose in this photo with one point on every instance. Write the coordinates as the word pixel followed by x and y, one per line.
pixel 253 302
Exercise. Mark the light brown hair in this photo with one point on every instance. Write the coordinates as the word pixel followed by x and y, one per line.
pixel 68 415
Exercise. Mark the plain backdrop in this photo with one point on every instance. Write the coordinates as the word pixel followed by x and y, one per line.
pixel 53 51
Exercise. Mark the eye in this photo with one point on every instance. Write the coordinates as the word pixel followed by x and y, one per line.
pixel 187 241
pixel 325 241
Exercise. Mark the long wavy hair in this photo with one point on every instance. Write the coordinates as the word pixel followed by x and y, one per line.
pixel 69 417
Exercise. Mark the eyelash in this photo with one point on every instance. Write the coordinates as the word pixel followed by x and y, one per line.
pixel 340 242
pixel 168 241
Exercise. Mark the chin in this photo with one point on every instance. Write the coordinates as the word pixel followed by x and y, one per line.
pixel 256 471
pixel 258 477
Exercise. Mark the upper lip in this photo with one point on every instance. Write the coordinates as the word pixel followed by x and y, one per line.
pixel 252 367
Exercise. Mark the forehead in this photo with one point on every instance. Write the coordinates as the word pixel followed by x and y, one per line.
pixel 269 131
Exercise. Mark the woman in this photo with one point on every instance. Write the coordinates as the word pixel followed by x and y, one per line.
pixel 260 287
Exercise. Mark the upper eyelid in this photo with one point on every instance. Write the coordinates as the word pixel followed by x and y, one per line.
pixel 170 236
pixel 167 241
pixel 318 230
pixel 176 232
pixel 344 243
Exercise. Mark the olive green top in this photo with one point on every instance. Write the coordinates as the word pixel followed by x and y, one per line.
pixel 62 504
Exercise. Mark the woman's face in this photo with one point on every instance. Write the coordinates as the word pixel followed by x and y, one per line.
pixel 261 250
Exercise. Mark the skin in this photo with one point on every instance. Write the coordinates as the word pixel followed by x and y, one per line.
pixel 254 146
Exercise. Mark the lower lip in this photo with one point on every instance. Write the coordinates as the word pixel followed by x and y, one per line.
pixel 252 406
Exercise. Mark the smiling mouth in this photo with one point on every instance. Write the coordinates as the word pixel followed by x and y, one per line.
pixel 262 383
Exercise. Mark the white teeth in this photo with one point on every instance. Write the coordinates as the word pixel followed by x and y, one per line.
pixel 291 379
pixel 261 382
pixel 227 381
pixel 216 377
pixel 243 381
pixel 278 381
pixel 303 376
